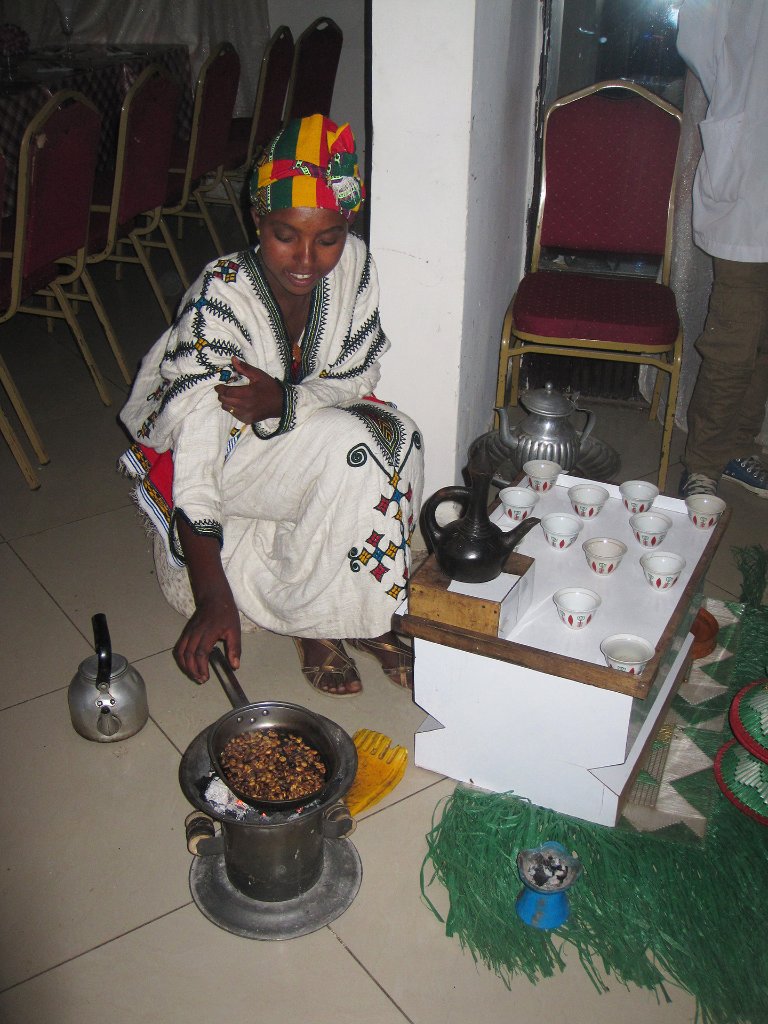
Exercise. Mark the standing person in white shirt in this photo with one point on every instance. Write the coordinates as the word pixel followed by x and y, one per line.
pixel 725 43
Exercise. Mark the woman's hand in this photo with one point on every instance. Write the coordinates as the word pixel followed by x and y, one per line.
pixel 260 399
pixel 216 618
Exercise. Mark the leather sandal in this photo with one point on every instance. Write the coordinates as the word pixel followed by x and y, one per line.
pixel 400 674
pixel 321 677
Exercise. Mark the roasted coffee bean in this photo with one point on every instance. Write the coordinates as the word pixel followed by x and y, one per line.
pixel 272 765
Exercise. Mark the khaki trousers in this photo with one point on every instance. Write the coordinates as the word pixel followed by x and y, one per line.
pixel 727 407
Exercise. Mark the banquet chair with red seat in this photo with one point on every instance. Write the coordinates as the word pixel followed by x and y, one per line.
pixel 608 179
pixel 313 75
pixel 57 163
pixel 197 166
pixel 248 135
pixel 128 203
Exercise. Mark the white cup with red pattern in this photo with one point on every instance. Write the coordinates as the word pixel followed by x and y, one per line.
pixel 604 554
pixel 704 510
pixel 650 528
pixel 517 502
pixel 542 474
pixel 587 499
pixel 638 495
pixel 662 569
pixel 576 606
pixel 627 652
pixel 561 529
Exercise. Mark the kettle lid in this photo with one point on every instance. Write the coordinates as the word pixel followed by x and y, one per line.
pixel 547 401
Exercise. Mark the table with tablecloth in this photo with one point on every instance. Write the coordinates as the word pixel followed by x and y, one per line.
pixel 103 74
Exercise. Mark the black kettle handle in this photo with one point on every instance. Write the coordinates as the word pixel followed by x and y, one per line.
pixel 103 647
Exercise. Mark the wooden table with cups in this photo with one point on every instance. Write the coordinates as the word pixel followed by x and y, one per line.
pixel 563 703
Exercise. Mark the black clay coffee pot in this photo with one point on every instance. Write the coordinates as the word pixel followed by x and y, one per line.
pixel 471 549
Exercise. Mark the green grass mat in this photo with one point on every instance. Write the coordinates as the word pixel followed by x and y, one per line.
pixel 645 909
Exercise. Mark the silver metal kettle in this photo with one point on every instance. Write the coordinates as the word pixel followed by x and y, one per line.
pixel 107 697
pixel 547 431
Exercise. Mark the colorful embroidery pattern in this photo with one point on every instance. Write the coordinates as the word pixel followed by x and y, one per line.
pixel 226 270
pixel 382 558
pixel 386 428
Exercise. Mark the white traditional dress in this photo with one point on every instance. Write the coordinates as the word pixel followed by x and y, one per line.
pixel 314 511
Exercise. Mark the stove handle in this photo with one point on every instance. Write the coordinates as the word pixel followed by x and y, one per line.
pixel 338 823
pixel 202 840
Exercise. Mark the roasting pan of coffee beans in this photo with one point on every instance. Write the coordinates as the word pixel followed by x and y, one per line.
pixel 272 765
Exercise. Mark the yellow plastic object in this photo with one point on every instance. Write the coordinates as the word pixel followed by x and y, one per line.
pixel 380 767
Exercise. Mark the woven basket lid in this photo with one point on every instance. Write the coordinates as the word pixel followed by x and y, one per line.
pixel 743 779
pixel 749 718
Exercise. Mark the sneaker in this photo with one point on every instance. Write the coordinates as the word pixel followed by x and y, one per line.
pixel 750 473
pixel 696 483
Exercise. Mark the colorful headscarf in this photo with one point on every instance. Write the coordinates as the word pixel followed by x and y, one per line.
pixel 311 162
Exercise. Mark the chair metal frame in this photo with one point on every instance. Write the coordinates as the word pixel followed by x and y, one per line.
pixel 666 359
pixel 53 290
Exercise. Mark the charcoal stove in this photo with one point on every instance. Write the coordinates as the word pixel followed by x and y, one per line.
pixel 272 873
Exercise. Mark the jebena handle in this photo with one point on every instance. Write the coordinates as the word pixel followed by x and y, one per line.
pixel 428 520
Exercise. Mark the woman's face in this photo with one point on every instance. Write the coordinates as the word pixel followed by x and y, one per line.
pixel 298 247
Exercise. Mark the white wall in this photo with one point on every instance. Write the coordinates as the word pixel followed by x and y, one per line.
pixel 507 46
pixel 453 97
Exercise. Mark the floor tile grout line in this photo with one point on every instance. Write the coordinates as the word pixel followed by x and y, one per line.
pixel 99 945
pixel 69 522
pixel 373 978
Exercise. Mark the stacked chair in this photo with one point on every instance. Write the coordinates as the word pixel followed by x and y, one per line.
pixel 608 181
pixel 128 206
pixel 315 63
pixel 197 167
pixel 248 135
pixel 68 218
pixel 47 252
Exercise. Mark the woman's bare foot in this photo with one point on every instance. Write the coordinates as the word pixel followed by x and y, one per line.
pixel 395 657
pixel 327 667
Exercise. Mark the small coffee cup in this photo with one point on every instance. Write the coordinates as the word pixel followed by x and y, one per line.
pixel 704 510
pixel 604 554
pixel 561 529
pixel 662 569
pixel 542 475
pixel 650 528
pixel 627 652
pixel 517 502
pixel 587 499
pixel 576 606
pixel 638 495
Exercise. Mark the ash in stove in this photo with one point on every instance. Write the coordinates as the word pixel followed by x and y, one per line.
pixel 223 801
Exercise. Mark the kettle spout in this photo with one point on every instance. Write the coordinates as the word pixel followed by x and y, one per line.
pixel 511 538
pixel 505 434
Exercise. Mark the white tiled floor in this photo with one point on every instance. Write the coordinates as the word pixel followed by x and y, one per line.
pixel 98 923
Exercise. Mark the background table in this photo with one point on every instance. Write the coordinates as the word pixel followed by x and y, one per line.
pixel 103 74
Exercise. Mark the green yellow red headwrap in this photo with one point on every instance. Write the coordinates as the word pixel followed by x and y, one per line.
pixel 311 162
